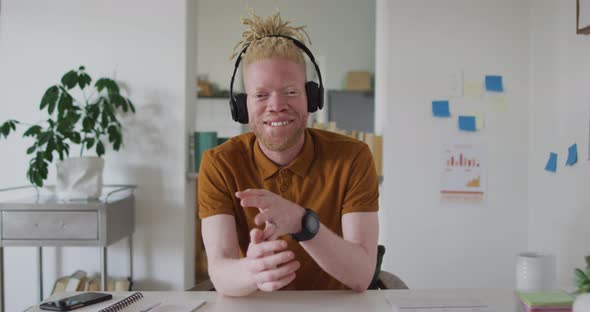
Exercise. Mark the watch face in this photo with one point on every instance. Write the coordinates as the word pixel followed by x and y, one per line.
pixel 312 224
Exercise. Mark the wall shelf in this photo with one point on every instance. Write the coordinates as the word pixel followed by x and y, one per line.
pixel 213 97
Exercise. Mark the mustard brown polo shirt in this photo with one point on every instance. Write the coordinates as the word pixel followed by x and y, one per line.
pixel 333 175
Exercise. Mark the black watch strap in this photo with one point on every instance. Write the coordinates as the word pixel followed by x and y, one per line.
pixel 310 226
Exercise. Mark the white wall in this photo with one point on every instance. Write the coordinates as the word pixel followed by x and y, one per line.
pixel 146 44
pixel 214 115
pixel 342 33
pixel 560 105
pixel 431 245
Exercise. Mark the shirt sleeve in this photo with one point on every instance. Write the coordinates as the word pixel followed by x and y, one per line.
pixel 362 193
pixel 214 195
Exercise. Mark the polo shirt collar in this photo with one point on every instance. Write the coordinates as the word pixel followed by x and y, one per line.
pixel 299 166
pixel 303 161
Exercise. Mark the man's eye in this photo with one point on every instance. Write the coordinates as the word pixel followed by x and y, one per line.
pixel 259 96
pixel 292 93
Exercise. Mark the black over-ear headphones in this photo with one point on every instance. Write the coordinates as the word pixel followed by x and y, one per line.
pixel 314 92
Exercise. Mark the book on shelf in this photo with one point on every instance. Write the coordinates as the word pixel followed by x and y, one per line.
pixel 332 126
pixel 373 141
pixel 319 125
pixel 75 282
pixel 370 141
pixel 200 142
pixel 79 281
pixel 378 154
pixel 113 284
pixel 60 285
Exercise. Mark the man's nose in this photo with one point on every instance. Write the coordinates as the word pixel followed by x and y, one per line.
pixel 277 103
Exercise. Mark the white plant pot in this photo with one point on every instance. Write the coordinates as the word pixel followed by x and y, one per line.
pixel 582 303
pixel 79 178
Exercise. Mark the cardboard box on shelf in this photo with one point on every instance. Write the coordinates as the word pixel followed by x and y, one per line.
pixel 358 81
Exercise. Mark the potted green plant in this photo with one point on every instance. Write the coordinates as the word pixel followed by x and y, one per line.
pixel 582 278
pixel 89 123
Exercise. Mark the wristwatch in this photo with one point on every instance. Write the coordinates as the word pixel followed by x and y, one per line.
pixel 310 225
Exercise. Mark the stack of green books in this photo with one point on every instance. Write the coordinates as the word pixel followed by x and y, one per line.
pixel 202 141
pixel 556 301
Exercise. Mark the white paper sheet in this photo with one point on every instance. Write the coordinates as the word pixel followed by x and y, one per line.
pixel 436 303
pixel 464 309
pixel 463 174
pixel 584 14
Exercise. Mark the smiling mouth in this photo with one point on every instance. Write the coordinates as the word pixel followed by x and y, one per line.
pixel 278 123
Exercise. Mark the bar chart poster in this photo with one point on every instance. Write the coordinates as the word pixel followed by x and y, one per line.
pixel 463 172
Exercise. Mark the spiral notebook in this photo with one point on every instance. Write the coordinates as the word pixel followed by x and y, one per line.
pixel 137 303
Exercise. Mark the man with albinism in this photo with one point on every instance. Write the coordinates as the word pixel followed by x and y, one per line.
pixel 286 206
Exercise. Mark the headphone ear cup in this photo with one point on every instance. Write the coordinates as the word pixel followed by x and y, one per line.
pixel 233 108
pixel 313 98
pixel 320 97
pixel 241 108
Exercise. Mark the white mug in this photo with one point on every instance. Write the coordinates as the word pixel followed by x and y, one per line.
pixel 535 272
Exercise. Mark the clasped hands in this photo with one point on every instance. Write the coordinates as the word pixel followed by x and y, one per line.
pixel 268 260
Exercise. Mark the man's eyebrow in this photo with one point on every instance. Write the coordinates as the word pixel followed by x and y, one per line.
pixel 260 90
pixel 290 85
pixel 284 87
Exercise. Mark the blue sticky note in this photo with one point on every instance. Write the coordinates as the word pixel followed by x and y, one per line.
pixel 494 84
pixel 441 109
pixel 467 123
pixel 551 163
pixel 572 155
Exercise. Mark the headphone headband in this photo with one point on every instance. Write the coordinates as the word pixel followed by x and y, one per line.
pixel 233 76
pixel 302 46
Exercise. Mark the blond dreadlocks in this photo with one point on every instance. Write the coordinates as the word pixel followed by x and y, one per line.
pixel 260 46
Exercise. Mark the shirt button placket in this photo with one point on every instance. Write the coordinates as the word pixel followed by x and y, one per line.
pixel 283 180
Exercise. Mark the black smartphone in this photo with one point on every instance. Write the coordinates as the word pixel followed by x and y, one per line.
pixel 75 302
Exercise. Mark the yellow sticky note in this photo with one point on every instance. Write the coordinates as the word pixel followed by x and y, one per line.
pixel 479 122
pixel 497 103
pixel 473 89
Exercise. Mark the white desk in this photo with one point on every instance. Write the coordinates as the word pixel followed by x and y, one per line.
pixel 322 301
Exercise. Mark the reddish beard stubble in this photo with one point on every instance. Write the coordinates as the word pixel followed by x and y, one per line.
pixel 279 139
